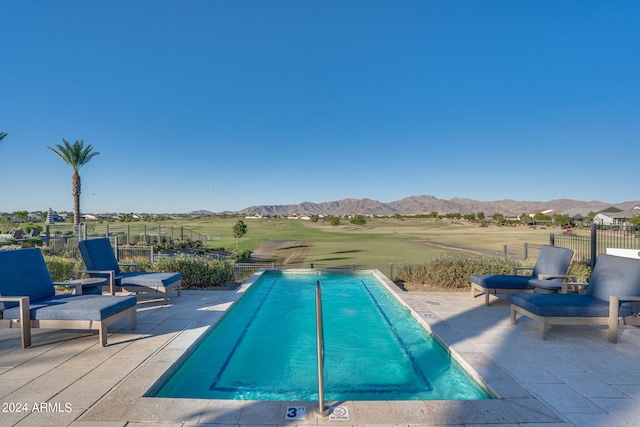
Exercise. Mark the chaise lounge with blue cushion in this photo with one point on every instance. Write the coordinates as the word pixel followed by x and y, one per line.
pixel 552 264
pixel 28 300
pixel 613 292
pixel 101 261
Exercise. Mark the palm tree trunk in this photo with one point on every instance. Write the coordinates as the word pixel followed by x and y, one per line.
pixel 76 199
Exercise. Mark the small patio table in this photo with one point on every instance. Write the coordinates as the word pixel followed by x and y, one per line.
pixel 90 286
pixel 543 285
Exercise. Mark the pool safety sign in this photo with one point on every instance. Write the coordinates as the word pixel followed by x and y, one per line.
pixel 340 413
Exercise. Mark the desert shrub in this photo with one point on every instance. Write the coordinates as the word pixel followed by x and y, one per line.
pixel 452 272
pixel 62 269
pixel 240 255
pixel 197 272
pixel 581 270
pixel 31 243
pixel 8 242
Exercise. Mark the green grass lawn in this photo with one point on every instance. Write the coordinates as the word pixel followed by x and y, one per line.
pixel 379 241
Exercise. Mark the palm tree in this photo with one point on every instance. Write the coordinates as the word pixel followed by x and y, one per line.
pixel 76 156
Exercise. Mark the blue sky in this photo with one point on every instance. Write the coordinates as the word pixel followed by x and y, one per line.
pixel 221 105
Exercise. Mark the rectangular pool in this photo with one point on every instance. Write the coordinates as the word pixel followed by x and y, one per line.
pixel 265 347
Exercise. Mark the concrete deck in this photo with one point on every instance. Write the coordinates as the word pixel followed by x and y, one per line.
pixel 573 378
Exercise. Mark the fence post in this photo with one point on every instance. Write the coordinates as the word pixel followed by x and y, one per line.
pixel 107 228
pixel 128 234
pixel 46 235
pixel 552 239
pixel 526 250
pixel 391 272
pixel 504 250
pixel 594 242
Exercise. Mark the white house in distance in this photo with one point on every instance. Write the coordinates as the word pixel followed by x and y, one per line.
pixel 605 215
pixel 620 217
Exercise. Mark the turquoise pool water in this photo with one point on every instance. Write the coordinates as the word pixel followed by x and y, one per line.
pixel 265 347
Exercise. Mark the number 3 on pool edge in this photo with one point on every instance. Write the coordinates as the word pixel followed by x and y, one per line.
pixel 296 413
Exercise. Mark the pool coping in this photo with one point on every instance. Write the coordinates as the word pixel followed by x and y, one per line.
pixel 130 402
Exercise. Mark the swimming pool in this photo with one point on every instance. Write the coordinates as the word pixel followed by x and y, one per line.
pixel 265 347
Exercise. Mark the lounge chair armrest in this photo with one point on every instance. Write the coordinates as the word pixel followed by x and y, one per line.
pixel 77 286
pixel 130 264
pixel 621 299
pixel 19 299
pixel 96 271
pixel 518 269
pixel 569 277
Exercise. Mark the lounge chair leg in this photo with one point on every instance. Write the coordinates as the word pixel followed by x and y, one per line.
pixel 25 322
pixel 614 304
pixel 103 334
pixel 134 318
pixel 543 328
pixel 513 315
pixel 486 297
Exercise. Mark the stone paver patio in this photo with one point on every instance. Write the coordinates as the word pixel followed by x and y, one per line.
pixel 573 378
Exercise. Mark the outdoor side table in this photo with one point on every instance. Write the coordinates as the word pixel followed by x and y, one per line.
pixel 542 285
pixel 91 286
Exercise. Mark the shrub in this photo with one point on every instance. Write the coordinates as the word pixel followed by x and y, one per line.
pixel 581 270
pixel 197 272
pixel 31 243
pixel 452 272
pixel 62 269
pixel 240 255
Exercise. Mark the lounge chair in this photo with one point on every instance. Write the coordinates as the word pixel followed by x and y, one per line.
pixel 28 300
pixel 552 264
pixel 613 292
pixel 100 261
pixel 16 233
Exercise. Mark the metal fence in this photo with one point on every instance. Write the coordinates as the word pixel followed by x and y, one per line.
pixel 587 248
pixel 62 238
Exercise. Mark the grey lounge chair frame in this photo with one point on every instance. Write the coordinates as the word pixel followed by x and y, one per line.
pixel 101 261
pixel 25 281
pixel 609 298
pixel 552 264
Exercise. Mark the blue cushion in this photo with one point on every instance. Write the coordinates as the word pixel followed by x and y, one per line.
pixel 97 254
pixel 501 281
pixel 614 275
pixel 148 279
pixel 564 305
pixel 75 307
pixel 552 260
pixel 23 272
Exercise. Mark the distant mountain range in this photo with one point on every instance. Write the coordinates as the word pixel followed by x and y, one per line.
pixel 416 205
